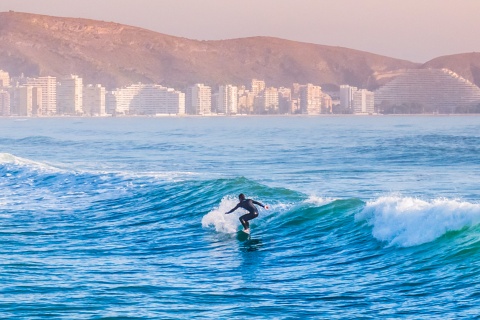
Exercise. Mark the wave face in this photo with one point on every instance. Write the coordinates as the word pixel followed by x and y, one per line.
pixel 133 225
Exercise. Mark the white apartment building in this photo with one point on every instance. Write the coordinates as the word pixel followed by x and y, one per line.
pixel 363 102
pixel 346 98
pixel 432 90
pixel 94 100
pixel 48 86
pixel 4 103
pixel 227 99
pixel 147 99
pixel 198 99
pixel 24 101
pixel 310 99
pixel 4 79
pixel 70 95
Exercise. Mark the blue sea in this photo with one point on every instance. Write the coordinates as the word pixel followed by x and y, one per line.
pixel 123 218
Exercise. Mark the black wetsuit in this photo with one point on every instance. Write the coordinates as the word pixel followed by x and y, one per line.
pixel 247 204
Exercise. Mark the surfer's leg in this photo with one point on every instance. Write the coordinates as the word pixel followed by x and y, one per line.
pixel 249 216
pixel 244 221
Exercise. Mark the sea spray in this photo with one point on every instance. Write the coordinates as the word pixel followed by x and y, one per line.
pixel 407 221
pixel 225 223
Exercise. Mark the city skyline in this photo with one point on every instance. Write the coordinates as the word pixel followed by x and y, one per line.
pixel 428 91
pixel 410 30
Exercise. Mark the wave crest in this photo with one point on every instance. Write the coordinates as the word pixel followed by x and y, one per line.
pixel 406 221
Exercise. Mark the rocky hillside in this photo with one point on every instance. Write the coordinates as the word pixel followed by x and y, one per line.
pixel 116 55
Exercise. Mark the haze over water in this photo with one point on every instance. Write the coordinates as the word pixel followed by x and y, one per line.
pixel 124 218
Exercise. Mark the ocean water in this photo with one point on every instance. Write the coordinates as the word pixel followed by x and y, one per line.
pixel 123 218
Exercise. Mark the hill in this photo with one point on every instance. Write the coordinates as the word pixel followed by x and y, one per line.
pixel 466 64
pixel 114 55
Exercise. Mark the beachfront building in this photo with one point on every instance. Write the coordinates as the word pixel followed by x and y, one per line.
pixel 310 99
pixel 48 89
pixel 4 103
pixel 327 104
pixel 146 99
pixel 428 91
pixel 257 86
pixel 94 97
pixel 267 101
pixel 198 99
pixel 227 99
pixel 4 79
pixel 363 102
pixel 246 100
pixel 346 98
pixel 284 100
pixel 70 95
pixel 25 101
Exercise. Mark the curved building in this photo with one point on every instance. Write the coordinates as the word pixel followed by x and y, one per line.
pixel 427 91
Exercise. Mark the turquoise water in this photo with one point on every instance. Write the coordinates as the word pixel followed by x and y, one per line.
pixel 371 217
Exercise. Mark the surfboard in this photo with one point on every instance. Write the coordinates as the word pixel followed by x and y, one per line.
pixel 242 235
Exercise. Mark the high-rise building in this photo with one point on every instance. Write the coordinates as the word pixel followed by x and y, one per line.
pixel 327 104
pixel 70 95
pixel 346 98
pixel 37 102
pixel 22 101
pixel 363 102
pixel 94 100
pixel 227 99
pixel 427 91
pixel 267 101
pixel 4 103
pixel 284 100
pixel 246 100
pixel 198 99
pixel 310 99
pixel 257 86
pixel 48 86
pixel 4 79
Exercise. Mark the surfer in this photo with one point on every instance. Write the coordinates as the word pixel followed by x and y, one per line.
pixel 247 204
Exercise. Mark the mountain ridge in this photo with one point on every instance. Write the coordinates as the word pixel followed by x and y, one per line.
pixel 115 55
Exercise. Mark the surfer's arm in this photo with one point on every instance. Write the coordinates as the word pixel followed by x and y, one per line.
pixel 236 207
pixel 258 203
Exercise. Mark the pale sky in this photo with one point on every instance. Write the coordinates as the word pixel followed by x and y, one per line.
pixel 415 30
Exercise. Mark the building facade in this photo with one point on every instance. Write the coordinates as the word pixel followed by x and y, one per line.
pixel 48 88
pixel 94 97
pixel 310 99
pixel 346 98
pixel 427 91
pixel 227 99
pixel 363 102
pixel 4 103
pixel 70 95
pixel 146 99
pixel 4 79
pixel 267 101
pixel 198 99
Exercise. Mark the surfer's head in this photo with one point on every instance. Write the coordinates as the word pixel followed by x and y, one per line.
pixel 241 196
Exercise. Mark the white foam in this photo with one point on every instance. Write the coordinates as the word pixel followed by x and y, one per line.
pixel 225 223
pixel 7 158
pixel 319 201
pixel 406 221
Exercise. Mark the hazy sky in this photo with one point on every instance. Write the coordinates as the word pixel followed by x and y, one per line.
pixel 415 30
